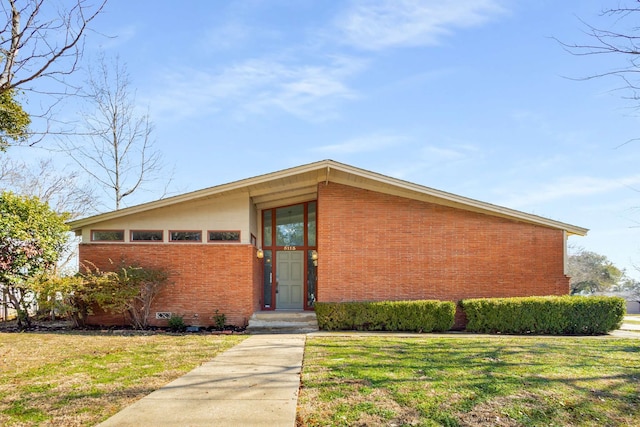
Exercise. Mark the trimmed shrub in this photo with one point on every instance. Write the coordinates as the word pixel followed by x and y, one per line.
pixel 176 324
pixel 555 315
pixel 415 316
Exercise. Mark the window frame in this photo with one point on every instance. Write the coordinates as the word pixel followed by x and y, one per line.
pixel 184 241
pixel 209 240
pixel 115 230
pixel 146 231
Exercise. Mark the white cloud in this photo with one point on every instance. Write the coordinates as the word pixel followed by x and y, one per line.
pixel 438 154
pixel 259 86
pixel 361 144
pixel 571 187
pixel 234 35
pixel 433 160
pixel 380 24
pixel 225 37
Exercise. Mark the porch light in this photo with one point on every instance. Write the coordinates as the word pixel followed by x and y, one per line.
pixel 260 254
pixel 314 255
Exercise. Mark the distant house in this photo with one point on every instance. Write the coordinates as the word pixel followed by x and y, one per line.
pixel 632 299
pixel 326 231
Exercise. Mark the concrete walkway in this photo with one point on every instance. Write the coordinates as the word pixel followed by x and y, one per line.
pixel 252 384
pixel 627 325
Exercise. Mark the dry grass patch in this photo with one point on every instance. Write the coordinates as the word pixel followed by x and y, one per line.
pixel 77 379
pixel 471 381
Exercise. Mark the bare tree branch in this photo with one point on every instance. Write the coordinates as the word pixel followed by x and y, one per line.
pixel 118 151
pixel 45 55
pixel 621 39
pixel 62 191
pixel 42 44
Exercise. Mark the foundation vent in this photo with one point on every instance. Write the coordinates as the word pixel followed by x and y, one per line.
pixel 163 315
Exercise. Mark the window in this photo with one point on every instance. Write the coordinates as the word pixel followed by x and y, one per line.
pixel 267 233
pixel 290 226
pixel 185 236
pixel 107 235
pixel 146 235
pixel 268 278
pixel 311 224
pixel 224 236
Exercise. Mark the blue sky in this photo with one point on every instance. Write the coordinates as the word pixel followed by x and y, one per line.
pixel 472 97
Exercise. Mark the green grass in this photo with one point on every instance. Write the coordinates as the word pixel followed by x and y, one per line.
pixel 81 379
pixel 509 381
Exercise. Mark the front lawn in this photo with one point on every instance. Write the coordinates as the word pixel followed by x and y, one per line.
pixel 74 379
pixel 470 381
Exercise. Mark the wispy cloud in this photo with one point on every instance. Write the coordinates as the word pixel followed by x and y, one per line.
pixel 259 86
pixel 225 37
pixel 361 144
pixel 380 24
pixel 433 158
pixel 570 187
pixel 234 35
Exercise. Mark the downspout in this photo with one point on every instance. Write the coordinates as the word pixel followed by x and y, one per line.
pixel 565 258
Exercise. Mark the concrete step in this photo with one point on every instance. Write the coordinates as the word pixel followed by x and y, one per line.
pixel 283 321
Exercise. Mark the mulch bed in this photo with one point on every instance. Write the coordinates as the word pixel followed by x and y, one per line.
pixel 11 326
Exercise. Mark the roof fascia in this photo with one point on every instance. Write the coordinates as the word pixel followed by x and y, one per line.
pixel 198 194
pixel 461 201
pixel 324 174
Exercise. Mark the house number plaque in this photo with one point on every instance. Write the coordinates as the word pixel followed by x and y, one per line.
pixel 289 248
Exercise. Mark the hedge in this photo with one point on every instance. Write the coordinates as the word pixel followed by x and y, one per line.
pixel 560 315
pixel 415 316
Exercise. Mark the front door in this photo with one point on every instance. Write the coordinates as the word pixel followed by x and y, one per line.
pixel 290 279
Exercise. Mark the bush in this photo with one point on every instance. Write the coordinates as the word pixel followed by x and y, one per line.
pixel 563 315
pixel 129 290
pixel 415 316
pixel 219 320
pixel 176 324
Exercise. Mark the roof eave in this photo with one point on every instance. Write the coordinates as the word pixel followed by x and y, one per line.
pixel 325 167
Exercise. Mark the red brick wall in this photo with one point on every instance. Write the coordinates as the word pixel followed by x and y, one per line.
pixel 374 246
pixel 371 247
pixel 203 278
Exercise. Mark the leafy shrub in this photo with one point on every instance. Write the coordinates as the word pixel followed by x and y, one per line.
pixel 129 290
pixel 176 324
pixel 556 315
pixel 67 295
pixel 219 320
pixel 416 316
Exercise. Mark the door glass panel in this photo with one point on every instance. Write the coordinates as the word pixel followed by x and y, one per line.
pixel 290 226
pixel 266 226
pixel 312 278
pixel 268 277
pixel 311 226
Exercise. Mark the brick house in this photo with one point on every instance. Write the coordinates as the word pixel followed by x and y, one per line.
pixel 326 231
